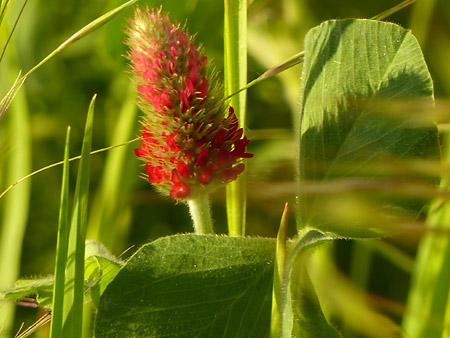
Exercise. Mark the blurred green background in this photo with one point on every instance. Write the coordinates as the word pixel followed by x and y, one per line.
pixel 125 210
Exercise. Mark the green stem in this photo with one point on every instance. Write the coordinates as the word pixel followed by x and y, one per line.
pixel 201 214
pixel 235 47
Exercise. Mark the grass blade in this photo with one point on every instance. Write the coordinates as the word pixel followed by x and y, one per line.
pixel 74 289
pixel 426 305
pixel 279 277
pixel 235 36
pixel 61 250
pixel 14 212
pixel 393 10
pixel 3 5
pixel 24 178
pixel 86 30
pixel 13 29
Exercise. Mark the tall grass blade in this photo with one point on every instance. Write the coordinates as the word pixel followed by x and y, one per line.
pixel 13 29
pixel 3 6
pixel 279 277
pixel 86 30
pixel 14 211
pixel 235 36
pixel 74 285
pixel 430 283
pixel 61 250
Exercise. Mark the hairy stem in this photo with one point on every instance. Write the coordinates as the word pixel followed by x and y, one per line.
pixel 201 214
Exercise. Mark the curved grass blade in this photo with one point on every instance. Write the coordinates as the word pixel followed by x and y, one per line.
pixel 62 162
pixel 89 28
pixel 393 10
pixel 291 62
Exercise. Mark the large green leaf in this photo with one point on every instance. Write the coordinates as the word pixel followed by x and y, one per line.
pixel 353 70
pixel 191 286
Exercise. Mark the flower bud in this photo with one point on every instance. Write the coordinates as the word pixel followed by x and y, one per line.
pixel 190 139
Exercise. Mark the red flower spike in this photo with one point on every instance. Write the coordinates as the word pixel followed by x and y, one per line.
pixel 184 170
pixel 191 142
pixel 218 139
pixel 194 71
pixel 165 100
pixel 139 152
pixel 203 89
pixel 170 139
pixel 157 63
pixel 189 88
pixel 204 177
pixel 184 101
pixel 202 158
pixel 231 174
pixel 180 190
pixel 173 50
pixel 170 67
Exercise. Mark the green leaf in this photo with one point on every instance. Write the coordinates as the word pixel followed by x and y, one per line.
pixel 41 287
pixel 191 286
pixel 100 269
pixel 354 72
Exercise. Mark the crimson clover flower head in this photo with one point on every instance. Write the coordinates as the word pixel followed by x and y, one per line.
pixel 191 142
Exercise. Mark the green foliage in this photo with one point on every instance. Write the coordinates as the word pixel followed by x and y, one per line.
pixel 352 69
pixel 428 299
pixel 299 309
pixel 100 269
pixel 191 285
pixel 359 121
pixel 42 288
